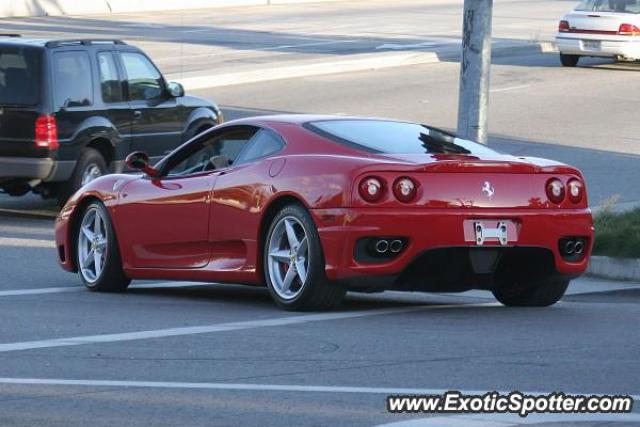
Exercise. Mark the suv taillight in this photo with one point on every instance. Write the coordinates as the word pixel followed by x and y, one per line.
pixel 46 133
pixel 628 30
pixel 564 27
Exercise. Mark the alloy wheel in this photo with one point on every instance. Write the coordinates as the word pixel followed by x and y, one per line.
pixel 92 245
pixel 288 258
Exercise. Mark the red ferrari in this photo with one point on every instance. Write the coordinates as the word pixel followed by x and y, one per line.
pixel 313 206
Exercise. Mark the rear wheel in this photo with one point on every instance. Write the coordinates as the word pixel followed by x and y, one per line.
pixel 569 60
pixel 91 165
pixel 294 263
pixel 542 295
pixel 97 253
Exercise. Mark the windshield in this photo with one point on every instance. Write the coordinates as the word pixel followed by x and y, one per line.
pixel 619 6
pixel 391 137
pixel 19 75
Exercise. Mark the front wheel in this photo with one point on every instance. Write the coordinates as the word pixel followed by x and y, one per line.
pixel 569 60
pixel 294 263
pixel 97 253
pixel 541 295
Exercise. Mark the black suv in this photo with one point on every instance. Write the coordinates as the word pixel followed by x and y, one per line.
pixel 71 110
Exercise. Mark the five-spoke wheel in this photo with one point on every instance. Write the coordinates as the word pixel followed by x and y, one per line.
pixel 294 263
pixel 97 254
pixel 92 245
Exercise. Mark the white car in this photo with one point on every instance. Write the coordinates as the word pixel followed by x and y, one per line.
pixel 609 28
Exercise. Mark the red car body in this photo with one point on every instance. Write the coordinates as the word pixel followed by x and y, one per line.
pixel 211 226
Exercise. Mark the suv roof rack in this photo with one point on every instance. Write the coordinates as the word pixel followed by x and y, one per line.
pixel 10 35
pixel 86 42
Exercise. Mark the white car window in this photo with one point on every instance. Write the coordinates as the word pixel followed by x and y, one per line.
pixel 619 6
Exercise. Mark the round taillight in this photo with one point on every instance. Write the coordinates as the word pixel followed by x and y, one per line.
pixel 576 190
pixel 555 190
pixel 371 189
pixel 404 189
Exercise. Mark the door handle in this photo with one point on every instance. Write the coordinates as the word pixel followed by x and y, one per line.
pixel 137 114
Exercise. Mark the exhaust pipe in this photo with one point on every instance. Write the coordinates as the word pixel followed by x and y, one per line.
pixel 569 247
pixel 578 247
pixel 396 246
pixel 382 246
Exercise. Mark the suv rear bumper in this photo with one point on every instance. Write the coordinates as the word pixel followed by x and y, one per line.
pixel 26 168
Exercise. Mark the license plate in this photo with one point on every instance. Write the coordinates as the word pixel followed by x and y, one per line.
pixel 591 44
pixel 491 232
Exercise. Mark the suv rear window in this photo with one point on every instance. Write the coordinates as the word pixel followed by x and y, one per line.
pixel 389 137
pixel 20 75
pixel 73 80
pixel 619 6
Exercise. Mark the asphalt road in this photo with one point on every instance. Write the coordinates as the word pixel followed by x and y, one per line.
pixel 168 354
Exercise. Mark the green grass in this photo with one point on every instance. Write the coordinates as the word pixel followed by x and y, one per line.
pixel 618 235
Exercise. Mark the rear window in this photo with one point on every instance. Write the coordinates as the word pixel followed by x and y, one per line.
pixel 619 6
pixel 391 137
pixel 20 75
pixel 73 79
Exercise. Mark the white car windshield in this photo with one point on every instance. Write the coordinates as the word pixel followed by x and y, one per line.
pixel 618 6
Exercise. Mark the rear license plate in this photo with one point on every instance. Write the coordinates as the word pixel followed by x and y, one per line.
pixel 491 232
pixel 591 44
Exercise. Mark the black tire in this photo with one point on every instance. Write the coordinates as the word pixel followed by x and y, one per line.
pixel 569 60
pixel 542 295
pixel 88 159
pixel 112 277
pixel 317 292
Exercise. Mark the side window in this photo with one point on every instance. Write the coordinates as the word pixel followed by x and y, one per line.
pixel 261 145
pixel 73 80
pixel 200 154
pixel 110 85
pixel 143 78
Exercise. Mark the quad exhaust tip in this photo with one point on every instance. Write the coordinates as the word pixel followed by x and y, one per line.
pixel 382 246
pixel 396 246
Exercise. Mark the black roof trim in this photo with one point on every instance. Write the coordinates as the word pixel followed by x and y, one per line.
pixel 10 35
pixel 85 42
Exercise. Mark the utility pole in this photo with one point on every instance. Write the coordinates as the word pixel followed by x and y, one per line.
pixel 475 70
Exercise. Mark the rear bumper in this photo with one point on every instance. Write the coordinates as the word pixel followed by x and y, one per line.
pixel 27 168
pixel 429 230
pixel 609 47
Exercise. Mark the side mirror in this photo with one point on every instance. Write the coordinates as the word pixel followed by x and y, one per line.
pixel 176 90
pixel 140 161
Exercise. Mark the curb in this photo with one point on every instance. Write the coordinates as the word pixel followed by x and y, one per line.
pixel 614 268
pixel 361 62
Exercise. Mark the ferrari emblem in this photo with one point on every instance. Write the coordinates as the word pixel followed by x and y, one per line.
pixel 488 190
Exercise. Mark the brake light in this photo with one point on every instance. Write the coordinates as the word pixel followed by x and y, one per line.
pixel 371 189
pixel 576 190
pixel 564 27
pixel 555 190
pixel 628 30
pixel 46 132
pixel 404 189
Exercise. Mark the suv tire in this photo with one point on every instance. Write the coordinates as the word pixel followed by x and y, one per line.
pixel 90 166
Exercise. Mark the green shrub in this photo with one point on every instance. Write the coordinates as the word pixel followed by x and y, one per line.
pixel 617 235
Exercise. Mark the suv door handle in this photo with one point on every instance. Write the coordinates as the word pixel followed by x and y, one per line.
pixel 137 114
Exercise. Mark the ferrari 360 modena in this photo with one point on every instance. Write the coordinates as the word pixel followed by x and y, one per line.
pixel 314 206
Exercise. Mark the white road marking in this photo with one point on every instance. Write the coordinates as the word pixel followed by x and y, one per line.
pixel 511 420
pixel 31 212
pixel 223 327
pixel 36 291
pixel 263 387
pixel 505 89
pixel 27 243
pixel 26 230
